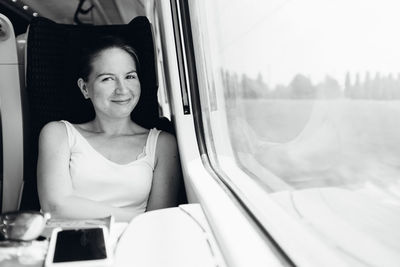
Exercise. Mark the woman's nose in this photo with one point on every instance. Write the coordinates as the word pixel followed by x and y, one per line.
pixel 120 87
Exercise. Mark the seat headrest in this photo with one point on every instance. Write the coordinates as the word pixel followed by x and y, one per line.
pixel 53 51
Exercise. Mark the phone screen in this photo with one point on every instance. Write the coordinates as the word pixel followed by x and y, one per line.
pixel 80 245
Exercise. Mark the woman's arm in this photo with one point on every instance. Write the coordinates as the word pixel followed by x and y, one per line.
pixel 74 207
pixel 56 193
pixel 167 174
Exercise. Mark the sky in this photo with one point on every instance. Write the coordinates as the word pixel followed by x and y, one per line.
pixel 280 38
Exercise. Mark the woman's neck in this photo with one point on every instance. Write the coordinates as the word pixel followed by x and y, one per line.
pixel 112 126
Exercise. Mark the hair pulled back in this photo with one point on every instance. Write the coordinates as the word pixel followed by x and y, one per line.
pixel 97 45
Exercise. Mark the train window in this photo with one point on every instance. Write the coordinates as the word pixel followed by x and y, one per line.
pixel 308 92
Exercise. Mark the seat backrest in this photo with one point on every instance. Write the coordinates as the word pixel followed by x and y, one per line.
pixel 52 93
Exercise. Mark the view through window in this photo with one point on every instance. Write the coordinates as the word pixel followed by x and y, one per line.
pixel 312 94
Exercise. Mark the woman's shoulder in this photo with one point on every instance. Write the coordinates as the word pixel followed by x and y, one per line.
pixel 54 128
pixel 165 136
pixel 166 143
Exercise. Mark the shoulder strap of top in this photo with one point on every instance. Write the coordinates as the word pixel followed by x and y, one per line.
pixel 70 132
pixel 151 144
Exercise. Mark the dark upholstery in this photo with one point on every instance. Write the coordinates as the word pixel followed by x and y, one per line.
pixel 52 94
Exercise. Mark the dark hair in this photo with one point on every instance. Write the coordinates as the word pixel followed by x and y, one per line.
pixel 96 45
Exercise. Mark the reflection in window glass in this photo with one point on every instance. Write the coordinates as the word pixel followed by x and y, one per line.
pixel 311 93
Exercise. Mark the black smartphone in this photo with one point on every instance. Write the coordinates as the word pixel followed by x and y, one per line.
pixel 78 247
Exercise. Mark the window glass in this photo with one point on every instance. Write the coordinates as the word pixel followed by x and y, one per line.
pixel 308 92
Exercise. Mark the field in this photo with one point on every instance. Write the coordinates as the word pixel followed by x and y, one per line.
pixel 313 143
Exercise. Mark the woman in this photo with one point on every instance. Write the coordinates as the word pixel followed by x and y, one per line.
pixel 110 165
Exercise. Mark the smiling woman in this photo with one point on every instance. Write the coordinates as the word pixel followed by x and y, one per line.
pixel 109 165
pixel 109 76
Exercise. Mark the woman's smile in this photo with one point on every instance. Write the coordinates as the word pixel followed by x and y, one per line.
pixel 121 101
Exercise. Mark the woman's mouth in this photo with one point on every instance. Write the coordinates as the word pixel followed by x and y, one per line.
pixel 121 101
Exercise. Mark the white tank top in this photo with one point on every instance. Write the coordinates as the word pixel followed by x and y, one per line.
pixel 97 178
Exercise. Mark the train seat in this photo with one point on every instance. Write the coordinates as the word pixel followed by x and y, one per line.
pixel 52 94
pixel 11 130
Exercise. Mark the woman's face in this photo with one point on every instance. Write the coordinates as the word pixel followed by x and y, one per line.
pixel 113 86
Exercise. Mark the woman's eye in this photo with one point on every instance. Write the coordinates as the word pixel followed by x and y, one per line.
pixel 131 76
pixel 106 79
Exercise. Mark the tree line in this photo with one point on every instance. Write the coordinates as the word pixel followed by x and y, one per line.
pixel 376 87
